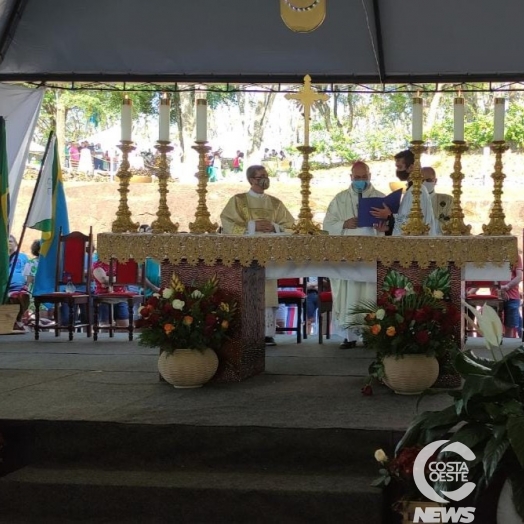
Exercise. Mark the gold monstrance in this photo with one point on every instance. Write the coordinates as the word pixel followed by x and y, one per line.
pixel 306 97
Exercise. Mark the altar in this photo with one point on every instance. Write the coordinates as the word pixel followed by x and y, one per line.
pixel 242 263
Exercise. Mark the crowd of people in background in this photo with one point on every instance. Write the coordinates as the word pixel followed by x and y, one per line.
pixel 87 157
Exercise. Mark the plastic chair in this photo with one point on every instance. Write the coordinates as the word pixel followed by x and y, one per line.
pixel 121 274
pixel 325 305
pixel 73 271
pixel 294 297
pixel 476 299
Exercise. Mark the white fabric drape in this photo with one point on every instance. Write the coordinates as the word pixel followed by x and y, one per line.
pixel 20 107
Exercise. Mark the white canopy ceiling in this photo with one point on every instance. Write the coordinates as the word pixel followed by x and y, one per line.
pixel 360 41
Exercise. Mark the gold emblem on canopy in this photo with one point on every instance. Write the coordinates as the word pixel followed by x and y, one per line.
pixel 303 16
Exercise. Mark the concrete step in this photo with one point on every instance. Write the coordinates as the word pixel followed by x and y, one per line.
pixel 114 444
pixel 182 495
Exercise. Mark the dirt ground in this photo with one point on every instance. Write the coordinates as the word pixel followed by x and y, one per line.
pixel 96 203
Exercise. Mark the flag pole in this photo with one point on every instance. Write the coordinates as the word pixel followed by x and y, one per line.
pixel 24 227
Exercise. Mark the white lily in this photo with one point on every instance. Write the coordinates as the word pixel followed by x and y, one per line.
pixel 489 324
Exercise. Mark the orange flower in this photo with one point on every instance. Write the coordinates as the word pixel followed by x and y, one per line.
pixel 391 331
pixel 225 324
pixel 370 316
pixel 375 329
pixel 188 320
pixel 168 328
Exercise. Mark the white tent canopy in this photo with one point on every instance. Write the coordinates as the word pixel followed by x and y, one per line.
pixel 360 41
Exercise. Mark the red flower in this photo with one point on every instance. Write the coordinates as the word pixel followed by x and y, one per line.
pixel 367 390
pixel 422 337
pixel 420 315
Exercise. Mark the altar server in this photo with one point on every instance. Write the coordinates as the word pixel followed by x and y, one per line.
pixel 404 164
pixel 341 219
pixel 254 213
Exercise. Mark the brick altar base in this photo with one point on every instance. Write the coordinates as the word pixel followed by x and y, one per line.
pixel 242 356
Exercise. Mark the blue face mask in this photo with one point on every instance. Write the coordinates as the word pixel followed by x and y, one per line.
pixel 359 185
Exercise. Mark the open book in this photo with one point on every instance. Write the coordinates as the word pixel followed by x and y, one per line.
pixel 365 219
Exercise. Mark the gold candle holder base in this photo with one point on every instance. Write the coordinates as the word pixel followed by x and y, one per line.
pixel 497 225
pixel 202 224
pixel 415 224
pixel 305 225
pixel 163 223
pixel 123 222
pixel 455 226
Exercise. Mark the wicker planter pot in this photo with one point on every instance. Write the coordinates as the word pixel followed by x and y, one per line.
pixel 410 374
pixel 188 368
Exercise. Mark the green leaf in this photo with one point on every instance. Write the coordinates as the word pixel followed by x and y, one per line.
pixel 467 363
pixel 441 418
pixel 515 428
pixel 484 387
pixel 471 434
pixel 494 451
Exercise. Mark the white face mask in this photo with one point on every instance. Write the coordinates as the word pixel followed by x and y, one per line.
pixel 430 186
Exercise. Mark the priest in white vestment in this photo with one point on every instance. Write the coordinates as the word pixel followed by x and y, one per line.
pixel 441 202
pixel 341 219
pixel 255 213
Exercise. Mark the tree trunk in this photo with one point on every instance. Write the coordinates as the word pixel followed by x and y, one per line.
pixel 60 125
pixel 263 106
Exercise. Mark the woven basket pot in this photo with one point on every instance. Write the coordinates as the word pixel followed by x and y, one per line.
pixel 188 368
pixel 410 374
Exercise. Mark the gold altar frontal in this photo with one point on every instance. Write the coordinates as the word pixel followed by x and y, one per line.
pixel 239 262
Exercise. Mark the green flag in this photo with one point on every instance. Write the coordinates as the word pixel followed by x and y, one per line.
pixel 4 213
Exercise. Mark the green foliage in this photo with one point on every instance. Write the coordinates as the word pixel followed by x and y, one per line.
pixel 487 416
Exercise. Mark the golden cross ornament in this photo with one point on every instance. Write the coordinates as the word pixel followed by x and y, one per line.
pixel 306 97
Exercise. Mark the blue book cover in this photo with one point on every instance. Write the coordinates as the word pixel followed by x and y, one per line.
pixel 365 219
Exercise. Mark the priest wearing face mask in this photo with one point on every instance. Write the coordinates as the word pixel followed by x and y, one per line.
pixel 253 213
pixel 441 202
pixel 404 164
pixel 341 219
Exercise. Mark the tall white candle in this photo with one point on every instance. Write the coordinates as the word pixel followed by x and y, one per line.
pixel 458 119
pixel 201 120
pixel 163 131
pixel 417 119
pixel 125 119
pixel 498 133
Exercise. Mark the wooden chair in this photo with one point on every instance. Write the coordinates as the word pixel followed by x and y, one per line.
pixel 121 274
pixel 325 305
pixel 476 299
pixel 294 297
pixel 73 267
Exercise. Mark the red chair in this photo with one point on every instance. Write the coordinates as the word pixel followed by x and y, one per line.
pixel 294 297
pixel 325 305
pixel 121 274
pixel 476 299
pixel 73 267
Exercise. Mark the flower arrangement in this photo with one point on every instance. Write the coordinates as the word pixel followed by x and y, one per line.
pixel 409 319
pixel 397 473
pixel 192 317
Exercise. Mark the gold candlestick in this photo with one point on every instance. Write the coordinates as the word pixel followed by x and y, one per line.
pixel 202 224
pixel 163 223
pixel 455 225
pixel 496 225
pixel 305 225
pixel 123 223
pixel 415 224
